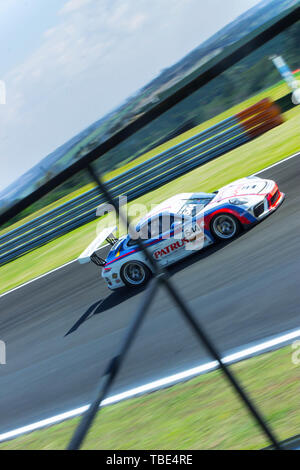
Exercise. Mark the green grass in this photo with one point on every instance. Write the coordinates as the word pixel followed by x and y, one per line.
pixel 275 92
pixel 202 413
pixel 257 154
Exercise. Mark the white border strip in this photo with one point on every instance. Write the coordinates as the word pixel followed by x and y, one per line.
pixel 41 276
pixel 239 355
pixel 36 278
pixel 73 261
pixel 277 163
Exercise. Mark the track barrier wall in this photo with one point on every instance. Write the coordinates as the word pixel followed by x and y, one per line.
pixel 211 143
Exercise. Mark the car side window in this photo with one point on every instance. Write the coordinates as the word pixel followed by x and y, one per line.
pixel 154 227
pixel 159 225
pixel 131 242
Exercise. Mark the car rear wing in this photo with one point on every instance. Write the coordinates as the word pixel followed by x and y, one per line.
pixel 89 254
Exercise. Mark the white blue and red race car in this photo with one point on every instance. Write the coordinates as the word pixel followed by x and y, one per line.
pixel 181 226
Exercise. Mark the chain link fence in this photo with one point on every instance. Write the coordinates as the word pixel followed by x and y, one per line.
pixel 160 278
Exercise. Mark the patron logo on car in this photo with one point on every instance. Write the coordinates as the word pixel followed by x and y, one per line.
pixel 167 250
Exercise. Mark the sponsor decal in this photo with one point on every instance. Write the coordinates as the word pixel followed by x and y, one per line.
pixel 170 248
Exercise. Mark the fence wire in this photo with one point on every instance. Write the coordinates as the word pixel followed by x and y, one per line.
pixel 208 72
pixel 160 278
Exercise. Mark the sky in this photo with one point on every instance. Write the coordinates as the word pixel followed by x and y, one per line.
pixel 66 63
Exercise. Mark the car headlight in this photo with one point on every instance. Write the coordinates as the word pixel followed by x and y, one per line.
pixel 238 202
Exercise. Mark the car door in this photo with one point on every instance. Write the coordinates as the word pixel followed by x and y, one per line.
pixel 161 242
pixel 173 236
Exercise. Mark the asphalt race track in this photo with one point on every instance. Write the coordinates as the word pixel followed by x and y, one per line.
pixel 244 291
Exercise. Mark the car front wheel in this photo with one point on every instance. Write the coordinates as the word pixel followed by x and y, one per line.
pixel 225 227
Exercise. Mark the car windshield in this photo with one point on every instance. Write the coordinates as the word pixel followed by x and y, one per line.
pixel 194 205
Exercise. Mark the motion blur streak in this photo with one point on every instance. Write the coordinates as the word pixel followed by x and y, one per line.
pixel 104 246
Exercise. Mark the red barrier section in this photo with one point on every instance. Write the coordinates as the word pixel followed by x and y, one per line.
pixel 254 109
pixel 262 117
pixel 257 131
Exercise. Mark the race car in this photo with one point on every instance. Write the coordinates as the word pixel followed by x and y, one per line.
pixel 183 225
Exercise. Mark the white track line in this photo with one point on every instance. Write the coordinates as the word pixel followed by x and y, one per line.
pixel 238 355
pixel 73 261
pixel 41 276
pixel 36 278
pixel 277 163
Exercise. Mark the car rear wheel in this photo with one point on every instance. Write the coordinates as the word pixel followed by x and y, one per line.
pixel 135 274
pixel 225 226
